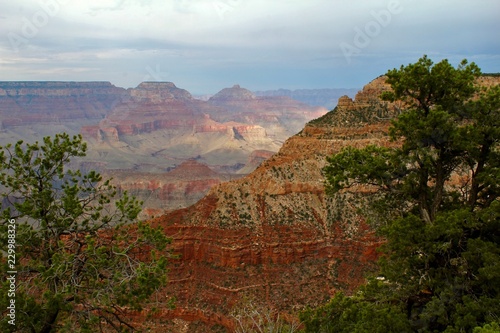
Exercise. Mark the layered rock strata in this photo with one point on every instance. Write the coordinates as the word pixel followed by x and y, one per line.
pixel 25 103
pixel 162 192
pixel 274 236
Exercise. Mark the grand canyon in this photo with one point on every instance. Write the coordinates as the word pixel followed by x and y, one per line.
pixel 235 180
pixel 156 140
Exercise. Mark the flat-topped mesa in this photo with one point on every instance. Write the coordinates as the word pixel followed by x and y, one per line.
pixel 150 106
pixel 157 92
pixel 55 88
pixel 235 93
pixel 44 102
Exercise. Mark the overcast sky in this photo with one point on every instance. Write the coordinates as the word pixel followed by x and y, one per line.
pixel 206 45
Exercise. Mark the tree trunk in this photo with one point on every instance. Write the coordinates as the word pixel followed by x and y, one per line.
pixel 475 187
pixel 49 324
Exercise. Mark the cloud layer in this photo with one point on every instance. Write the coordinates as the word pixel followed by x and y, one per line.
pixel 206 45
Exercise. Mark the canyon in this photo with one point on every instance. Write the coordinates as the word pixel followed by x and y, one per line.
pixel 273 238
pixel 261 229
pixel 138 134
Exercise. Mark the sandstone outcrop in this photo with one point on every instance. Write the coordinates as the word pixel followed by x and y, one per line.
pixel 180 187
pixel 273 236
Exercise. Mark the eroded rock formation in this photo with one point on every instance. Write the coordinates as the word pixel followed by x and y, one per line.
pixel 26 103
pixel 183 186
pixel 161 121
pixel 152 128
pixel 274 236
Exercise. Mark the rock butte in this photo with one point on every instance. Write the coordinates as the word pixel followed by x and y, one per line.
pixel 32 102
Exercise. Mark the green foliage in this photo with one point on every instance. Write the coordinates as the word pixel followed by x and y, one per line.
pixel 488 328
pixel 355 314
pixel 80 263
pixel 436 202
pixel 424 85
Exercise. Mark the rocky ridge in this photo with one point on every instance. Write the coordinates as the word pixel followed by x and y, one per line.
pixel 153 128
pixel 274 236
pixel 160 125
pixel 281 116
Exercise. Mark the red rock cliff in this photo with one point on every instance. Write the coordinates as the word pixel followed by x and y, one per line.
pixel 274 236
pixel 180 187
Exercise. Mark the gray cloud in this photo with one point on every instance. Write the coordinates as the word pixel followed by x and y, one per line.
pixel 205 45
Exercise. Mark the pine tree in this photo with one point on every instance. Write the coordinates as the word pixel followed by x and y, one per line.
pixel 435 200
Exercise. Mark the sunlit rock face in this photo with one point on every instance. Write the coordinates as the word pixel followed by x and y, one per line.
pixel 273 236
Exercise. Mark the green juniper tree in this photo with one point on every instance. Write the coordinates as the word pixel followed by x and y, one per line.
pixel 435 200
pixel 80 264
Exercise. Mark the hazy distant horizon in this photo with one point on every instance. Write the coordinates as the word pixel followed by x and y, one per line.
pixel 194 95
